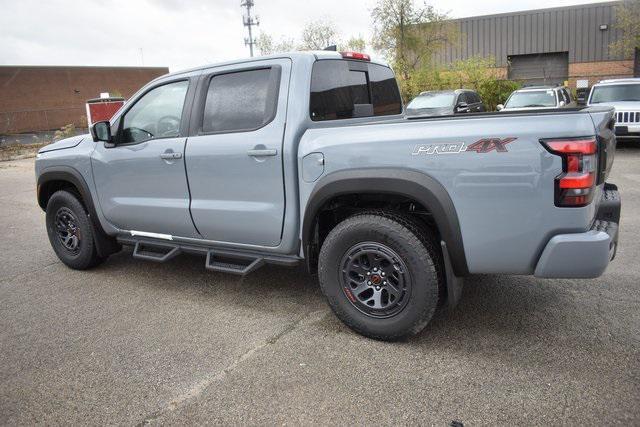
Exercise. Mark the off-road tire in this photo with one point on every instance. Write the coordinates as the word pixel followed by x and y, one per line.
pixel 417 247
pixel 86 255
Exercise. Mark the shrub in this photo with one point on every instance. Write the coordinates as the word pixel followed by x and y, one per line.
pixel 479 74
pixel 65 131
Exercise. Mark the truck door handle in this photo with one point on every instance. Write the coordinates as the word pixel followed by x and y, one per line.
pixel 171 156
pixel 262 152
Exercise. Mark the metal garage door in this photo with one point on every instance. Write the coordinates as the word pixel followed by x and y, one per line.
pixel 543 68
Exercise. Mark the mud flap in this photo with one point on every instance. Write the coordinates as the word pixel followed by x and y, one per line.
pixel 454 283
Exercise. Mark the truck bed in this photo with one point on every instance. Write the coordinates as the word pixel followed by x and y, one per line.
pixel 504 200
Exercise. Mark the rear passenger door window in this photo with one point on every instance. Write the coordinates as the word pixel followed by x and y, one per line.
pixel 241 101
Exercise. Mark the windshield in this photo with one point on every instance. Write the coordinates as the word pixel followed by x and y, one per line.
pixel 615 93
pixel 432 100
pixel 538 98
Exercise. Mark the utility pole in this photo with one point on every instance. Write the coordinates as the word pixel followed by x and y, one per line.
pixel 249 21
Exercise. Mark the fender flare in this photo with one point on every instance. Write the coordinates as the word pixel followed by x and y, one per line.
pixel 68 174
pixel 415 185
pixel 105 244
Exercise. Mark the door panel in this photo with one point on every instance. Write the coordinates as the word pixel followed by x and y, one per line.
pixel 141 181
pixel 235 170
pixel 139 190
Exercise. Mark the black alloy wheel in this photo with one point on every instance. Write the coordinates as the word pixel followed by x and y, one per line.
pixel 69 235
pixel 375 279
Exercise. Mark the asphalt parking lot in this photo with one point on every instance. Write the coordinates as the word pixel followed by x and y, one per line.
pixel 133 342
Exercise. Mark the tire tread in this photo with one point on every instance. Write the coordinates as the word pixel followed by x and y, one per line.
pixel 422 243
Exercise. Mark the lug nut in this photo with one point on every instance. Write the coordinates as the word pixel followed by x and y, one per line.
pixel 375 268
pixel 368 283
pixel 368 273
pixel 384 274
pixel 377 288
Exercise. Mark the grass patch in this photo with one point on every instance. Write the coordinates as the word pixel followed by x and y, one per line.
pixel 19 151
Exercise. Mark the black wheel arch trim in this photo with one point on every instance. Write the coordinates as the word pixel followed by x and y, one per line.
pixel 105 244
pixel 70 175
pixel 415 185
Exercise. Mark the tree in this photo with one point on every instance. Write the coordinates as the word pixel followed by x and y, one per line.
pixel 266 44
pixel 628 21
pixel 479 74
pixel 318 35
pixel 410 35
pixel 355 44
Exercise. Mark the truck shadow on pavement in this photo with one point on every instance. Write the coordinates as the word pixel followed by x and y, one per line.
pixel 496 309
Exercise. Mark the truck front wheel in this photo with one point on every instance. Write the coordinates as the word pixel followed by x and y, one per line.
pixel 381 274
pixel 70 231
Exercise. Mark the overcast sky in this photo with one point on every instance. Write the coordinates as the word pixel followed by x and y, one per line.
pixel 182 33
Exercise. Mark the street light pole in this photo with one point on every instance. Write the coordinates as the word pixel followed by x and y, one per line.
pixel 249 21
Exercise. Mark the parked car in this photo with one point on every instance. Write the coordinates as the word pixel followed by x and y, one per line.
pixel 624 96
pixel 445 102
pixel 390 212
pixel 539 98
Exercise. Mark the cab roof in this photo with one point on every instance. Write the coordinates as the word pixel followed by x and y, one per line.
pixel 294 55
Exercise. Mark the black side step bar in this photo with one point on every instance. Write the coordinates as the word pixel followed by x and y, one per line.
pixel 157 252
pixel 235 264
pixel 218 259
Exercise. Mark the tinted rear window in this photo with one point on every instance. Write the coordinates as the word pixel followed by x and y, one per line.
pixel 338 92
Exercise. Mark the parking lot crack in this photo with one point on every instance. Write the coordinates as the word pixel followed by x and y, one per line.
pixel 198 388
pixel 26 273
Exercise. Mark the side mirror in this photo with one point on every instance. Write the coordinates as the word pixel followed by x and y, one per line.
pixel 499 107
pixel 562 103
pixel 101 131
pixel 462 107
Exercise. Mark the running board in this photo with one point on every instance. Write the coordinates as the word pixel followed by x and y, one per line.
pixel 232 263
pixel 156 252
pixel 217 259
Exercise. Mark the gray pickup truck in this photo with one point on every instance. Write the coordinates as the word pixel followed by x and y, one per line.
pixel 307 157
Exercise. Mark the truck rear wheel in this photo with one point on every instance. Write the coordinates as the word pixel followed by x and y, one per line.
pixel 381 274
pixel 70 231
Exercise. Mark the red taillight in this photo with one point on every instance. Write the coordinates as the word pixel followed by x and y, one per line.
pixel 356 55
pixel 573 146
pixel 575 187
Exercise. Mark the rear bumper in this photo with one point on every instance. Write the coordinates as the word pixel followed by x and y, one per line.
pixel 585 255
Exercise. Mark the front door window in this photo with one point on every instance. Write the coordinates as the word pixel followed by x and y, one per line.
pixel 156 115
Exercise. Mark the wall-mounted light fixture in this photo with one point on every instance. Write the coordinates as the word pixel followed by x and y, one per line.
pixel 604 27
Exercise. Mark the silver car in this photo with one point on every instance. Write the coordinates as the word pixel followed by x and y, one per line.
pixel 539 98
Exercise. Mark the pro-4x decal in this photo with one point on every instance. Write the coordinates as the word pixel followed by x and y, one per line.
pixel 484 145
pixel 489 144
